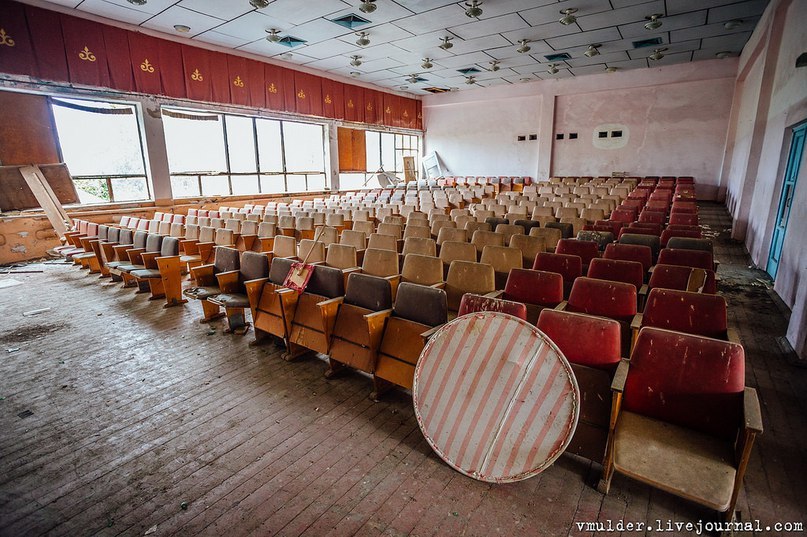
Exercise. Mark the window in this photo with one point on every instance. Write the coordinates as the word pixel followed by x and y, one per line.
pixel 384 150
pixel 101 144
pixel 211 154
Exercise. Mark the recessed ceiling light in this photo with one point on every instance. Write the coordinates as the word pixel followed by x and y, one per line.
pixel 473 10
pixel 654 23
pixel 138 2
pixel 524 47
pixel 525 79
pixel 446 44
pixel 494 65
pixel 470 80
pixel 182 28
pixel 355 73
pixel 723 54
pixel 552 69
pixel 363 40
pixel 593 50
pixel 355 61
pixel 730 25
pixel 657 54
pixel 257 4
pixel 287 55
pixel 568 18
pixel 274 35
pixel 427 63
pixel 611 69
pixel 367 6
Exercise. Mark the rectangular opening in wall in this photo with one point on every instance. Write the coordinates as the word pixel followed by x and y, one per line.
pixel 572 136
pixel 521 138
pixel 559 136
pixel 534 137
pixel 616 134
pixel 602 134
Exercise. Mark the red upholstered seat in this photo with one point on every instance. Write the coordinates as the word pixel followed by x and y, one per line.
pixel 686 258
pixel 692 313
pixel 683 218
pixel 569 267
pixel 617 270
pixel 534 287
pixel 614 300
pixel 688 380
pixel 638 230
pixel 608 225
pixel 587 250
pixel 654 217
pixel 630 252
pixel 677 277
pixel 471 303
pixel 583 339
pixel 623 215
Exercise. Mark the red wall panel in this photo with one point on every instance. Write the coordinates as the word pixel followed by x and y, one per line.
pixel 48 44
pixel 333 99
pixel 86 52
pixel 16 51
pixel 308 93
pixel 119 63
pixel 354 103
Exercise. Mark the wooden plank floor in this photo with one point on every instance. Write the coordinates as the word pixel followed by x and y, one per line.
pixel 119 417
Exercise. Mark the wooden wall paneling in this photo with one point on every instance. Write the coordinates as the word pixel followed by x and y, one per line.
pixel 352 150
pixel 28 135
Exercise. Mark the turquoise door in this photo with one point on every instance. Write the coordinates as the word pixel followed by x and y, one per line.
pixel 788 189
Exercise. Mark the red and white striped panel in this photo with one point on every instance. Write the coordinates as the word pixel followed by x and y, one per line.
pixel 495 398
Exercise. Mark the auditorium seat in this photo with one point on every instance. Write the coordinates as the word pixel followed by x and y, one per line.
pixel 536 289
pixel 687 258
pixel 225 260
pixel 529 246
pixel 467 277
pixel 586 250
pixel 233 297
pixel 422 270
pixel 683 279
pixel 570 267
pixel 265 302
pixel 503 259
pixel 312 315
pixel 473 303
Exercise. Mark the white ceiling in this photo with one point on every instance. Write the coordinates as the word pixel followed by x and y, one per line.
pixel 403 32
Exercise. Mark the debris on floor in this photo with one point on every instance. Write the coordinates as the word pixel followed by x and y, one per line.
pixel 31 313
pixel 9 283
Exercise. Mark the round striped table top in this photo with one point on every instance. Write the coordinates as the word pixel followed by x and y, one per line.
pixel 495 398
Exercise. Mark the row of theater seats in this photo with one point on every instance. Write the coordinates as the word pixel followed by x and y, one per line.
pixel 379 291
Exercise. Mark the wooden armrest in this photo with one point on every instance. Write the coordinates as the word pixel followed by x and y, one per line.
pixel 148 259
pixel 382 314
pixel 562 306
pixel 375 326
pixel 651 269
pixel 733 336
pixel 429 333
pixel 636 322
pixel 495 294
pixel 439 285
pixel 254 289
pixel 330 302
pixel 189 246
pixel 620 376
pixel 204 274
pixel 643 290
pixel 120 250
pixel 228 281
pixel 395 278
pixel 350 270
pixel 135 255
pixel 751 411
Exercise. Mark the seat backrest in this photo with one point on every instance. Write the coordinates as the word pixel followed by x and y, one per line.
pixel 164 228
pixel 153 242
pixel 600 347
pixel 615 300
pixel 113 234
pixel 687 380
pixel 534 287
pixel 140 238
pixel 254 265
pixel 437 225
pixel 316 250
pixel 304 223
pixel 207 234
pixel 566 229
pixel 503 258
pixel 587 250
pixel 285 221
pixel 169 247
pixel 691 313
pixel 416 231
pixel 390 229
pixel 569 267
pixel 414 245
pixel 341 256
pixel 382 242
pixel 678 277
pixel 368 292
pixel 380 262
pixel 365 226
pixel 224 237
pixel 457 251
pixel 616 270
pixel 249 228
pixel 630 252
pixel 284 246
pixel 468 277
pixel 422 269
pixel 421 304
pixel 690 243
pixel 326 281
pixel 267 229
pixel 472 303
pixel 529 246
pixel 334 220
pixel 551 236
pixel 279 269
pixel 451 234
pixel 687 258
pixel 177 230
pixel 226 259
pixel 642 240
pixel 357 239
pixel 233 224
pixel 125 236
pixel 480 239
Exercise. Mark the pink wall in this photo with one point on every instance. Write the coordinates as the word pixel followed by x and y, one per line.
pixel 671 129
pixel 774 99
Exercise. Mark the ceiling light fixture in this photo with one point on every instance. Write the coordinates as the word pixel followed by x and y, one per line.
pixel 470 80
pixel 593 50
pixel 355 61
pixel 413 78
pixel 611 69
pixel 274 35
pixel 524 47
pixel 427 63
pixel 723 54
pixel 494 65
pixel 657 54
pixel 363 40
pixel 257 4
pixel 355 74
pixel 568 18
pixel 182 28
pixel 525 79
pixel 654 23
pixel 446 44
pixel 473 10
pixel 730 25
pixel 367 6
pixel 552 69
pixel 404 87
pixel 138 2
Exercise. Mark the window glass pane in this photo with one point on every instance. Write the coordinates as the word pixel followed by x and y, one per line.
pixel 241 144
pixel 130 189
pixel 185 187
pixel 96 143
pixel 373 151
pixel 316 182
pixel 295 183
pixel 216 185
pixel 304 147
pixel 269 148
pixel 351 181
pixel 273 184
pixel 194 145
pixel 244 184
pixel 388 151
pixel 92 190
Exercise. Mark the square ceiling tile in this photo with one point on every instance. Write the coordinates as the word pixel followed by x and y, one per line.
pixel 536 47
pixel 198 22
pixel 252 26
pixel 480 43
pixel 378 35
pixel 217 8
pixel 444 17
pixel 551 13
pixel 670 59
pixel 668 24
pixel 741 10
pixel 708 30
pixel 319 30
pixel 328 49
pixel 68 3
pixel 465 60
pixel 585 38
pixel 502 7
pixel 297 12
pixel 595 69
pixel 154 7
pixel 582 61
pixel 223 40
pixel 623 15
pixel 671 48
pixel 734 42
pixel 380 64
pixel 496 25
pixel 386 12
pixel 115 11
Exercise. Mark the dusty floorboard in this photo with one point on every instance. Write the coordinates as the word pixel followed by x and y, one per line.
pixel 120 417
